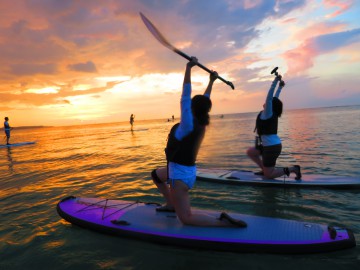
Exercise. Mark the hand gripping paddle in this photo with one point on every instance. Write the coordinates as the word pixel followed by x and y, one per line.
pixel 153 30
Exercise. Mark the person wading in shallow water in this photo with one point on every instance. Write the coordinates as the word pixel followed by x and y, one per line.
pixel 175 180
pixel 132 119
pixel 7 129
pixel 268 144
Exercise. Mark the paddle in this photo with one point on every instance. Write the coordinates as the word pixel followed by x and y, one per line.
pixel 155 32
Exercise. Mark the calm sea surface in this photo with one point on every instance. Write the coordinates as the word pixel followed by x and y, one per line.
pixel 109 161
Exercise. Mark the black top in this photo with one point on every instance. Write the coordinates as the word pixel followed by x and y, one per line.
pixel 268 126
pixel 184 152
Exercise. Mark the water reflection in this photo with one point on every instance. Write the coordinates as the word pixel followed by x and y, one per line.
pixel 10 160
pixel 109 161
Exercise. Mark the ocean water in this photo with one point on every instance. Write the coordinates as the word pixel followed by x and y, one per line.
pixel 107 160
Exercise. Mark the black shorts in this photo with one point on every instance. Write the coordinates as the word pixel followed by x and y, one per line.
pixel 270 154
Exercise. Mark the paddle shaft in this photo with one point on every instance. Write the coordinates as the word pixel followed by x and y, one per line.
pixel 202 66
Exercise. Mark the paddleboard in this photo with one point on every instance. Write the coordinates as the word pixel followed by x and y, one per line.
pixel 15 144
pixel 141 221
pixel 242 177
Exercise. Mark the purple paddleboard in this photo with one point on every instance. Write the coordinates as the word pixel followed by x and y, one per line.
pixel 263 234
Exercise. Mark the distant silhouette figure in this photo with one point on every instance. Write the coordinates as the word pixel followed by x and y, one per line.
pixel 7 129
pixel 132 117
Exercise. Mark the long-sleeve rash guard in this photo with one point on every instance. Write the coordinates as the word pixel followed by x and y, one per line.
pixel 187 118
pixel 267 113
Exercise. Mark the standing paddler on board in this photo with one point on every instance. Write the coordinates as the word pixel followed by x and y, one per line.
pixel 176 180
pixel 268 144
pixel 7 129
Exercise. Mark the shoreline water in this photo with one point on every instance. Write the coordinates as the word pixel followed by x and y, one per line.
pixel 145 121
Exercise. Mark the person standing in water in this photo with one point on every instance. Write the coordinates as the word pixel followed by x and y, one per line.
pixel 7 129
pixel 175 180
pixel 132 117
pixel 268 144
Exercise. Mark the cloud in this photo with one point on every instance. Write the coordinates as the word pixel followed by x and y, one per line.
pixel 60 97
pixel 341 5
pixel 84 67
pixel 302 58
pixel 32 69
pixel 5 108
pixel 64 32
pixel 209 38
pixel 22 44
pixel 330 42
pixel 55 44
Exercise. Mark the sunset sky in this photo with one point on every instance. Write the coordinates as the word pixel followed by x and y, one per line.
pixel 65 62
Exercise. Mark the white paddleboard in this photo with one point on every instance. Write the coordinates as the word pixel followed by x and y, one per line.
pixel 241 177
pixel 16 144
pixel 141 221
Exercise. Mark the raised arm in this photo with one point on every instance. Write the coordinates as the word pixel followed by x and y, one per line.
pixel 189 65
pixel 186 120
pixel 267 112
pixel 212 78
pixel 281 86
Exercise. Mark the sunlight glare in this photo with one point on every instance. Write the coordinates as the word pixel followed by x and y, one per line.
pixel 45 90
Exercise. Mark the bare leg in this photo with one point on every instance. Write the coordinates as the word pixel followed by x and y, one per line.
pixel 255 155
pixel 181 200
pixel 163 186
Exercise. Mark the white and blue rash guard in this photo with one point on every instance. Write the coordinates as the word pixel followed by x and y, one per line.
pixel 186 174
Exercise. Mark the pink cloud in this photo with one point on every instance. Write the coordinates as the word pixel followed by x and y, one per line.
pixel 341 5
pixel 320 28
pixel 301 58
pixel 289 21
pixel 248 4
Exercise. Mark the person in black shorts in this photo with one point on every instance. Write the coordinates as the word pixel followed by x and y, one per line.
pixel 268 144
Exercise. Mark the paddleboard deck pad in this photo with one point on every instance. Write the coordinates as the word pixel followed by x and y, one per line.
pixel 242 177
pixel 16 144
pixel 141 221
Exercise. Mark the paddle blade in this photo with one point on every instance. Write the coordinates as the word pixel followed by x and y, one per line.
pixel 153 30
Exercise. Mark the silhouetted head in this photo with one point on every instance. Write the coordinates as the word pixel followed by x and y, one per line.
pixel 6 118
pixel 201 106
pixel 277 106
